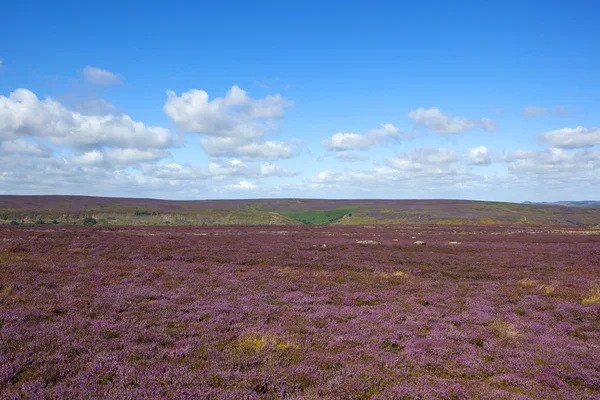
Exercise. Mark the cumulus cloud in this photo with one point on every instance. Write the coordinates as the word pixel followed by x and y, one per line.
pixel 269 169
pixel 84 145
pixel 354 141
pixel 426 161
pixel 24 148
pixel 46 147
pixel 22 114
pixel 99 76
pixel 215 171
pixel 61 175
pixel 424 166
pixel 347 141
pixel 245 148
pixel 438 122
pixel 242 186
pixel 555 166
pixel 532 111
pixel 420 172
pixel 118 158
pixel 235 125
pixel 479 156
pixel 572 138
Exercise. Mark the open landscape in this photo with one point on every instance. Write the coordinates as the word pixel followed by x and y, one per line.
pixel 299 200
pixel 300 312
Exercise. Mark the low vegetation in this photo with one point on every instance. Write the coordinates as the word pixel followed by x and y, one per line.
pixel 319 217
pixel 299 312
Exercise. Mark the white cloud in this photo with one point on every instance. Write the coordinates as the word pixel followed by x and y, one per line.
pixel 125 157
pixel 327 177
pixel 354 141
pixel 438 122
pixel 246 149
pixel 426 162
pixel 557 167
pixel 47 148
pixel 552 160
pixel 215 171
pixel 242 186
pixel 236 114
pixel 269 169
pixel 386 131
pixel 479 156
pixel 235 125
pixel 572 138
pixel 390 181
pixel 99 76
pixel 347 141
pixel 22 114
pixel 420 170
pixel 1 63
pixel 24 148
pixel 532 111
pixel 85 148
pixel 117 158
pixel 93 157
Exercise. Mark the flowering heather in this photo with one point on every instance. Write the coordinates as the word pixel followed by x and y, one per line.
pixel 299 312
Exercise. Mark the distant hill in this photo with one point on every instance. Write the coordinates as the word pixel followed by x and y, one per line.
pixel 130 211
pixel 583 203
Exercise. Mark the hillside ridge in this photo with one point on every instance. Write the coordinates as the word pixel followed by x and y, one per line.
pixel 60 209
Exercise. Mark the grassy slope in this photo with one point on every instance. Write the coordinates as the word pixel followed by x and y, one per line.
pixel 116 211
pixel 318 217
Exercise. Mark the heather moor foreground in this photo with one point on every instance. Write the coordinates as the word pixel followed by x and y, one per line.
pixel 300 312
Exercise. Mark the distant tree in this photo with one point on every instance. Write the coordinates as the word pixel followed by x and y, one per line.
pixel 40 222
pixel 89 221
pixel 13 222
pixel 143 212
pixel 54 222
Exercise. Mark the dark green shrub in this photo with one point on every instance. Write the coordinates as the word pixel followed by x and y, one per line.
pixel 89 221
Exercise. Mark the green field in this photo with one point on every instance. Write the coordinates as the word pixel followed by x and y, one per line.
pixel 319 217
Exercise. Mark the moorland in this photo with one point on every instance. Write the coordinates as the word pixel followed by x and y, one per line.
pixel 29 210
pixel 491 311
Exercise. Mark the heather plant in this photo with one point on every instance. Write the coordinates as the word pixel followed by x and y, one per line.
pixel 593 296
pixel 268 313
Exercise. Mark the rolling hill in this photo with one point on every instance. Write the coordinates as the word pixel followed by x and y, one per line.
pixel 132 211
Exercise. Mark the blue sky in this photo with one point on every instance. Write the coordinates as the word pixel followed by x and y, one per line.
pixel 187 100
